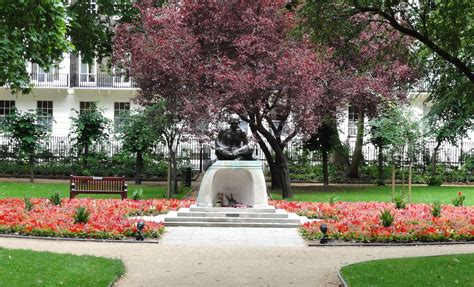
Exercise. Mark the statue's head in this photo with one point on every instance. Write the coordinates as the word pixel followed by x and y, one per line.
pixel 234 121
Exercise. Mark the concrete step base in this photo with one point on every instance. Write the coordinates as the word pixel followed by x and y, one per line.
pixel 233 217
pixel 232 224
pixel 195 208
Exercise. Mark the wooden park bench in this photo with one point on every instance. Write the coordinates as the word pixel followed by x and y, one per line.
pixel 97 185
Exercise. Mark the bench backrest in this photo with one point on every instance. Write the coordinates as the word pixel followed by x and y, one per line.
pixel 97 183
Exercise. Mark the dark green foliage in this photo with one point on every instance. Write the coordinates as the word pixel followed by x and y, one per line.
pixel 88 127
pixel 26 135
pixel 137 194
pixel 436 209
pixel 81 215
pixel 139 138
pixel 31 31
pixel 436 180
pixel 324 140
pixel 386 217
pixel 399 201
pixel 155 168
pixel 41 31
pixel 55 198
pixel 28 204
pixel 459 200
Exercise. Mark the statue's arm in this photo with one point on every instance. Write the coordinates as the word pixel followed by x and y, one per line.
pixel 219 139
pixel 243 138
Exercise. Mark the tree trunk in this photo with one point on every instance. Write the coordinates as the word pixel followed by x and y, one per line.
pixel 139 168
pixel 31 163
pixel 434 158
pixel 409 179
pixel 275 173
pixel 393 180
pixel 402 169
pixel 285 179
pixel 338 156
pixel 169 186
pixel 353 171
pixel 174 174
pixel 381 179
pixel 84 156
pixel 325 170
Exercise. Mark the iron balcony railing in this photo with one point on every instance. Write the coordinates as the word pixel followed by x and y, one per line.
pixel 101 80
pixel 49 80
pixel 95 80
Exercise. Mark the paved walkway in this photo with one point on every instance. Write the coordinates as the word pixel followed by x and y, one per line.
pixel 194 263
pixel 222 236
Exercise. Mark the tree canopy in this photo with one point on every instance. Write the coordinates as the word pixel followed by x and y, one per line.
pixel 41 32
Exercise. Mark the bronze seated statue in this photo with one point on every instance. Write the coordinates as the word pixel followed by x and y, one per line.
pixel 232 143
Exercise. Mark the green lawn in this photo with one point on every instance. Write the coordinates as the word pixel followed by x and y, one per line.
pixel 30 268
pixel 448 270
pixel 14 189
pixel 420 194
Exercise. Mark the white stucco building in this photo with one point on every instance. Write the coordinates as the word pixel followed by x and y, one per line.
pixel 72 84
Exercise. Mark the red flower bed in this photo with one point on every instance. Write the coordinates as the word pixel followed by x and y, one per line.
pixel 360 221
pixel 107 220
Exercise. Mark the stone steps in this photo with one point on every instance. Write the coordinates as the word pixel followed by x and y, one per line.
pixel 194 208
pixel 233 217
pixel 232 214
pixel 232 224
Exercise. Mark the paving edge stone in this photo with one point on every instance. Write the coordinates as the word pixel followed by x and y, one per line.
pixel 343 282
pixel 315 243
pixel 147 241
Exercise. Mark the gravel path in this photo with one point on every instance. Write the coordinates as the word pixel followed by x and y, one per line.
pixel 230 265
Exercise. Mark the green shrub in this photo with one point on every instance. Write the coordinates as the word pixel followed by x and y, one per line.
pixel 436 209
pixel 81 215
pixel 386 217
pixel 435 180
pixel 137 194
pixel 399 201
pixel 55 198
pixel 332 199
pixel 28 204
pixel 459 200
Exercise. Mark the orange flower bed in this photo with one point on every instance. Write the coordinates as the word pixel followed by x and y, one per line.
pixel 360 221
pixel 108 218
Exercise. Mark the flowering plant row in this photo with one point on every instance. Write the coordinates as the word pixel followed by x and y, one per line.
pixel 360 221
pixel 107 218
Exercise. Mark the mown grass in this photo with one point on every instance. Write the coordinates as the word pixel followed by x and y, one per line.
pixel 420 194
pixel 31 268
pixel 447 270
pixel 19 190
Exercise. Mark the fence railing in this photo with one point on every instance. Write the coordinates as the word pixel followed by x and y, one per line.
pixel 198 153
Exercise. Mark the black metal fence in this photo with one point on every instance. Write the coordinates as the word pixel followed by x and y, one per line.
pixel 198 153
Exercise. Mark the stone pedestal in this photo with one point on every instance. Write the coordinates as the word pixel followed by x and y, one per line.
pixel 243 179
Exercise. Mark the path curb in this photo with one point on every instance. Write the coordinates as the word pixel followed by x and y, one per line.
pixel 315 243
pixel 343 282
pixel 150 241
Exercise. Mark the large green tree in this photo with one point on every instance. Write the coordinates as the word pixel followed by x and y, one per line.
pixel 443 47
pixel 40 31
pixel 30 31
pixel 88 127
pixel 138 138
pixel 443 27
pixel 26 134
